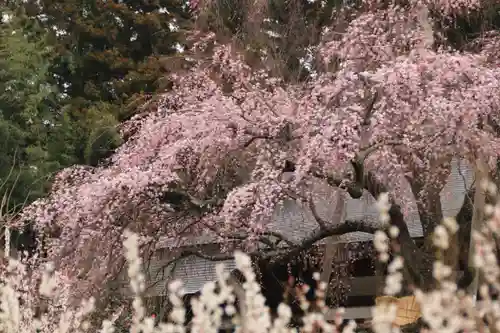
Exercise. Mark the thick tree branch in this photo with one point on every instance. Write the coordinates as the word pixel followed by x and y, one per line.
pixel 428 205
pixel 411 253
pixel 365 152
pixel 369 110
pixel 253 138
pixel 464 215
pixel 350 186
pixel 197 253
pixel 180 200
pixel 200 254
pixel 279 255
pixel 280 238
pixel 331 246
pixel 264 238
pixel 464 219
pixel 481 174
pixel 329 230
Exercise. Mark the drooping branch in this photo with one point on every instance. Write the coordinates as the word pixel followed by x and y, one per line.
pixel 202 255
pixel 179 200
pixel 319 234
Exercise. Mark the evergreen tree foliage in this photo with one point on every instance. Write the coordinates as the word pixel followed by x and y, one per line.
pixel 111 57
pixel 27 120
pixel 111 51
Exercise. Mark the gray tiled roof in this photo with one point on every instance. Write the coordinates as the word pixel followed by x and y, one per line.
pixel 194 272
pixel 296 222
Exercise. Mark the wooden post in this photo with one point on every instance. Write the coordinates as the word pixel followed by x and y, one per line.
pixel 331 247
pixel 481 177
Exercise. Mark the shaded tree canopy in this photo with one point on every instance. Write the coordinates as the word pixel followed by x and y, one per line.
pixel 209 158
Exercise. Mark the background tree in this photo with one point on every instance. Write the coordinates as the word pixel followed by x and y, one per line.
pixel 110 58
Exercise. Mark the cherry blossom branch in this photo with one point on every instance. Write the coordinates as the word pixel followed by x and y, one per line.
pixel 254 138
pixel 264 237
pixel 428 206
pixel 319 234
pixel 175 197
pixel 348 185
pixel 202 255
pixel 197 253
pixel 370 149
pixel 284 134
pixel 280 237
pixel 221 257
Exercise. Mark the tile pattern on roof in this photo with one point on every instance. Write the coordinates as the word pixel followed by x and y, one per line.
pixel 192 271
